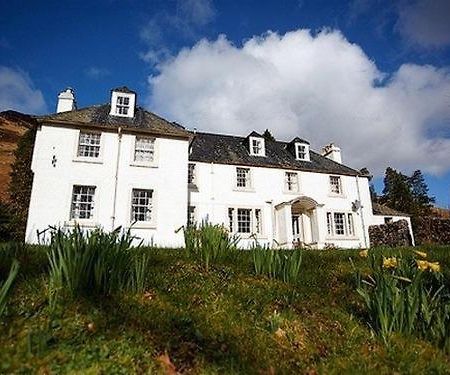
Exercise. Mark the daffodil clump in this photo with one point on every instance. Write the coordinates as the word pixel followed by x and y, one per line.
pixel 405 293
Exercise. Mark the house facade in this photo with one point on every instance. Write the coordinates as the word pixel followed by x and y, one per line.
pixel 118 165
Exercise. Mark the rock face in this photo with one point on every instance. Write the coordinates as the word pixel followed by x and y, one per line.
pixel 391 234
pixel 432 230
pixel 12 126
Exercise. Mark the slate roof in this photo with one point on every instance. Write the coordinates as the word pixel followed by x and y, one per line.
pixel 381 209
pixel 99 116
pixel 227 149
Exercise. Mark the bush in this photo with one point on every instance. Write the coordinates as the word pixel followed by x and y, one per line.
pixel 277 264
pixel 5 286
pixel 95 262
pixel 208 243
pixel 5 222
pixel 406 294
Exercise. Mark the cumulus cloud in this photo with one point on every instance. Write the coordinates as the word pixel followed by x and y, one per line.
pixel 17 92
pixel 320 87
pixel 188 18
pixel 96 72
pixel 425 22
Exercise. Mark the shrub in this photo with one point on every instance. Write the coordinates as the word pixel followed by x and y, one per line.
pixel 406 295
pixel 94 262
pixel 277 264
pixel 208 243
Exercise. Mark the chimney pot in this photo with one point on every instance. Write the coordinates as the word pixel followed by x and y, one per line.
pixel 332 152
pixel 66 101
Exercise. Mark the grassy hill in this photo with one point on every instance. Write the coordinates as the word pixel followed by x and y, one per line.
pixel 224 320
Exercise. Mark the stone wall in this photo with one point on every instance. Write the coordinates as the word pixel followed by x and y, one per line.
pixel 391 234
pixel 432 230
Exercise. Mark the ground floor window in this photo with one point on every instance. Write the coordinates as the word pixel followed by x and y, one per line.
pixel 191 215
pixel 82 206
pixel 340 224
pixel 245 220
pixel 141 205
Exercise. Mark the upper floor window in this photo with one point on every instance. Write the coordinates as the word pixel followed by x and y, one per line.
pixel 89 145
pixel 82 205
pixel 291 182
pixel 122 105
pixel 141 205
pixel 243 178
pixel 192 174
pixel 336 185
pixel 257 146
pixel 300 151
pixel 144 150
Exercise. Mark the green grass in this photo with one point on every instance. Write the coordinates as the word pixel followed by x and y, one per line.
pixel 221 320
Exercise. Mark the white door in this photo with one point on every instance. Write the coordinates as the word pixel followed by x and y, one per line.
pixel 297 229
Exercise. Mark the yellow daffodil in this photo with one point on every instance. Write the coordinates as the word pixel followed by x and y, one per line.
pixel 364 253
pixel 390 262
pixel 434 266
pixel 421 253
pixel 423 265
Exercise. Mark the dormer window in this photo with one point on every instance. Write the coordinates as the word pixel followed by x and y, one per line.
pixel 123 102
pixel 300 149
pixel 256 145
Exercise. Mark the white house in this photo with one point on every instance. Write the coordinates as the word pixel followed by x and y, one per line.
pixel 118 165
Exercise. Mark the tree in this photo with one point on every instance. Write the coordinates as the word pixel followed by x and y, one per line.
pixel 420 192
pixel 21 183
pixel 268 135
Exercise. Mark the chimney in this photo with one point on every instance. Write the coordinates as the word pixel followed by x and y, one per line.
pixel 333 152
pixel 66 101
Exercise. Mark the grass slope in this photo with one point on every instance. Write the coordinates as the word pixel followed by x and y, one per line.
pixel 225 320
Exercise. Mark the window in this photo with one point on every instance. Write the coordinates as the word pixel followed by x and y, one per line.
pixel 82 202
pixel 243 178
pixel 191 174
pixel 191 215
pixel 257 146
pixel 245 220
pixel 291 181
pixel 300 152
pixel 89 145
pixel 141 205
pixel 387 220
pixel 144 150
pixel 335 185
pixel 340 224
pixel 122 105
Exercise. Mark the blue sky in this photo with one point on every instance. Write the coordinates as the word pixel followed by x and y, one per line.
pixel 373 76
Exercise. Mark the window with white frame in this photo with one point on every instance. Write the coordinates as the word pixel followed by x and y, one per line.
pixel 300 151
pixel 257 146
pixel 336 185
pixel 122 105
pixel 89 145
pixel 245 221
pixel 243 178
pixel 144 150
pixel 192 180
pixel 340 224
pixel 191 215
pixel 291 182
pixel 141 205
pixel 82 205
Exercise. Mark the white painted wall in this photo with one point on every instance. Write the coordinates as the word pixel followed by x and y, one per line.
pixel 52 185
pixel 216 192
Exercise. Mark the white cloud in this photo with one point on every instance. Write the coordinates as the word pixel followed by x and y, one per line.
pixel 96 72
pixel 189 17
pixel 320 87
pixel 425 22
pixel 17 92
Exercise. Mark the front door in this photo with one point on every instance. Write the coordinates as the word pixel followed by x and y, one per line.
pixel 297 229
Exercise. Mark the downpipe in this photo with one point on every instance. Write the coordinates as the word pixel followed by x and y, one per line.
pixel 116 178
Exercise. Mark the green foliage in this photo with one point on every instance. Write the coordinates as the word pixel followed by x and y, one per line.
pixel 405 295
pixel 21 183
pixel 268 135
pixel 5 222
pixel 5 286
pixel 208 243
pixel 277 264
pixel 94 262
pixel 406 194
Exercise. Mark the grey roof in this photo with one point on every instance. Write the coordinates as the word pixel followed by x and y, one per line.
pixel 124 89
pixel 299 140
pixel 99 116
pixel 381 209
pixel 227 149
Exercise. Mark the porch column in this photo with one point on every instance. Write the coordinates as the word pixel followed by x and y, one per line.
pixel 320 226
